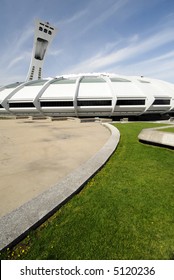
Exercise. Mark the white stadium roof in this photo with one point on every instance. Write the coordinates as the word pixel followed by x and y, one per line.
pixel 86 94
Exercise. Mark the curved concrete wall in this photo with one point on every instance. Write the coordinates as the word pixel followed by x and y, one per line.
pixel 154 136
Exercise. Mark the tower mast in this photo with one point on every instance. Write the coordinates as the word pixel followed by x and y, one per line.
pixel 43 36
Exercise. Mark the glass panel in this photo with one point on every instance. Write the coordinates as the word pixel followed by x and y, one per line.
pixel 21 105
pixel 36 83
pixel 145 82
pixel 161 102
pixel 64 81
pixel 56 103
pixel 127 102
pixel 116 80
pixel 94 102
pixel 92 80
pixel 41 47
pixel 13 85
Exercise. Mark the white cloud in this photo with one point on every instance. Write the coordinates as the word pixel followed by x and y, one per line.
pixel 135 48
pixel 15 61
pixel 16 54
pixel 103 15
pixel 54 52
pixel 73 18
pixel 160 67
pixel 22 38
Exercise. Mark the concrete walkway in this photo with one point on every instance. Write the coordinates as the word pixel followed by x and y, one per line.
pixel 44 198
pixel 35 155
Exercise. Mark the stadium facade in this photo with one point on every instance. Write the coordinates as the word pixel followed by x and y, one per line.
pixel 83 95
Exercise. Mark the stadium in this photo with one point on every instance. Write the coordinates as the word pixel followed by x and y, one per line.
pixel 86 94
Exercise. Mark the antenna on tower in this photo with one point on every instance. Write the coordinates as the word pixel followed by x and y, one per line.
pixel 43 36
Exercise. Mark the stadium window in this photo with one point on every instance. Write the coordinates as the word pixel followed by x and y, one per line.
pixel 49 32
pixel 144 82
pixel 161 102
pixel 45 30
pixel 40 28
pixel 116 80
pixel 21 105
pixel 63 81
pixel 41 45
pixel 94 102
pixel 56 103
pixel 36 83
pixel 13 85
pixel 92 80
pixel 130 102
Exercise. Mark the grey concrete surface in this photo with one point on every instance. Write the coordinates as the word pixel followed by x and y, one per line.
pixel 154 136
pixel 15 224
pixel 36 154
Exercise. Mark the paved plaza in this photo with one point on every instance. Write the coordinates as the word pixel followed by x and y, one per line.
pixel 36 154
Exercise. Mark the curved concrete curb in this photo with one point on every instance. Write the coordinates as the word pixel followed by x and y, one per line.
pixel 14 226
pixel 153 136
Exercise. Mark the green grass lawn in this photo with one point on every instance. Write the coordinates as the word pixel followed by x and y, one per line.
pixel 125 212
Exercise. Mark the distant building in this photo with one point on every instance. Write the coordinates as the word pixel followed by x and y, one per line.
pixel 86 94
pixel 93 95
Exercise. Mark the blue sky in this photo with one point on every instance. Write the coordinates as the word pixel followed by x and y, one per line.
pixel 129 37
